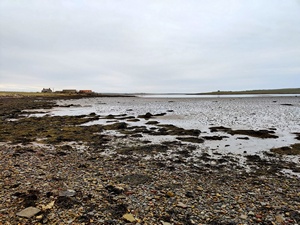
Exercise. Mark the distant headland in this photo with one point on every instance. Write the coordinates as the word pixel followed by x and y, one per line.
pixel 253 92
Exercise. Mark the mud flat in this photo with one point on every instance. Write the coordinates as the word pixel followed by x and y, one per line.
pixel 149 161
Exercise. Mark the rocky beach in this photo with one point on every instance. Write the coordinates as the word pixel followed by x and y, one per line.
pixel 133 160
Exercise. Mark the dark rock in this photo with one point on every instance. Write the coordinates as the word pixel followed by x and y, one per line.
pixel 293 149
pixel 30 198
pixel 253 158
pixel 174 130
pixel 19 194
pixel 49 194
pixel 146 116
pixel 15 185
pixel 152 122
pixel 184 153
pixel 116 126
pixel 160 114
pixel 297 136
pixel 243 138
pixel 82 166
pixel 66 202
pixel 118 211
pixel 84 219
pixel 259 133
pixel 222 160
pixel 220 128
pixel 110 117
pixel 133 120
pixel 189 194
pixel 190 139
pixel 60 153
pixel 126 118
pixel 214 138
pixel 114 189
pixel 253 133
pixel 66 147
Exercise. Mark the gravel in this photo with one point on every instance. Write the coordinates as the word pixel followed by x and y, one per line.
pixel 124 180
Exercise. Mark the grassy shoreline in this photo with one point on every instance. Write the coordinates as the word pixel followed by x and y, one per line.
pixel 15 94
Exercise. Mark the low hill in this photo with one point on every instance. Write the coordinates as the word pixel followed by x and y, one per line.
pixel 247 92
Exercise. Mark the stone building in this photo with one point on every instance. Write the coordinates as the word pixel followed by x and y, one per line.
pixel 85 92
pixel 46 90
pixel 69 91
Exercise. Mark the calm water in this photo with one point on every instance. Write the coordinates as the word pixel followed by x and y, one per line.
pixel 216 96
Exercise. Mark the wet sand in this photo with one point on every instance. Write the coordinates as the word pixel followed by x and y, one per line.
pixel 121 169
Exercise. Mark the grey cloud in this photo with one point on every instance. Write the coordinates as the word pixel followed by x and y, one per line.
pixel 156 46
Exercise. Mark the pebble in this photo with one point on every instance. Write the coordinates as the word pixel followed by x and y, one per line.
pixel 67 193
pixel 165 223
pixel 243 217
pixel 199 188
pixel 170 194
pixel 182 205
pixel 129 217
pixel 49 206
pixel 251 213
pixel 39 217
pixel 28 212
pixel 279 218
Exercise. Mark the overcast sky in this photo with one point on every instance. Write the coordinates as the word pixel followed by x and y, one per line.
pixel 149 45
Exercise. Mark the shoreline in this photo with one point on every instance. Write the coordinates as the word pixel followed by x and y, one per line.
pixel 88 175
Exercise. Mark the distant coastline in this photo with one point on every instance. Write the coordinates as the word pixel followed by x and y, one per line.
pixel 283 91
pixel 247 92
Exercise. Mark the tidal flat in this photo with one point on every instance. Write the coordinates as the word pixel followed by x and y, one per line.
pixel 137 160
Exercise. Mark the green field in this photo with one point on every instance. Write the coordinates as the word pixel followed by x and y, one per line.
pixel 252 92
